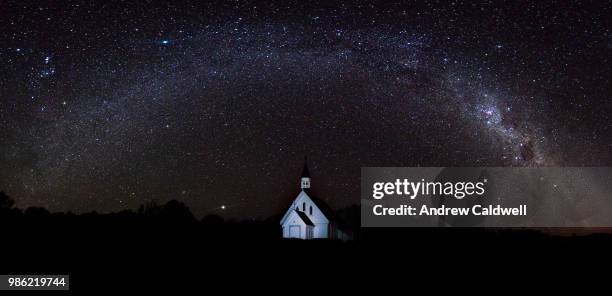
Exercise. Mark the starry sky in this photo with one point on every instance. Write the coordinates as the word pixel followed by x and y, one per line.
pixel 106 105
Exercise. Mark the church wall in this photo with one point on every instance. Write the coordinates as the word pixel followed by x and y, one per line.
pixel 294 220
pixel 321 230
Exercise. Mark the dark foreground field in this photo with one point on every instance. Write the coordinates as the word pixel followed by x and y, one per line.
pixel 167 247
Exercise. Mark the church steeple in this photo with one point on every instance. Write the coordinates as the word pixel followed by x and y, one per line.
pixel 305 179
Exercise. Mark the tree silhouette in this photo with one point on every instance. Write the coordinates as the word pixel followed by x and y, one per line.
pixel 212 220
pixel 177 211
pixel 6 203
pixel 36 212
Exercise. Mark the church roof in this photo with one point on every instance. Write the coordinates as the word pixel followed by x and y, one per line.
pixel 323 206
pixel 304 218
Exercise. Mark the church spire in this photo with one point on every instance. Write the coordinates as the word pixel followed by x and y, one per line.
pixel 305 179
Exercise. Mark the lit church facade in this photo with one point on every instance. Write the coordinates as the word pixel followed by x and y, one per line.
pixel 309 217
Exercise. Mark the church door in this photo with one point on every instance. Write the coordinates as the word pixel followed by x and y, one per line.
pixel 294 231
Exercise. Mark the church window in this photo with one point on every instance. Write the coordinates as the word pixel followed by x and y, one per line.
pixel 304 207
pixel 310 210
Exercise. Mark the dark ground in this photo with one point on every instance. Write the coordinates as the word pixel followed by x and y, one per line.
pixel 165 246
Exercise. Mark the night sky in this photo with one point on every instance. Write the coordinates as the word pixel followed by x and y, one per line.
pixel 106 105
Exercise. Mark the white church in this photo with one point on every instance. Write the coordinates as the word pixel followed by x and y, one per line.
pixel 309 217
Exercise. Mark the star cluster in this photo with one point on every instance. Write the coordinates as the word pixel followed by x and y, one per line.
pixel 105 106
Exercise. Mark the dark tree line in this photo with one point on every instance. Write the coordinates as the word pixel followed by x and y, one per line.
pixel 170 218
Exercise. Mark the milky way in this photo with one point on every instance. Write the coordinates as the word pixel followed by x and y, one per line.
pixel 107 106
